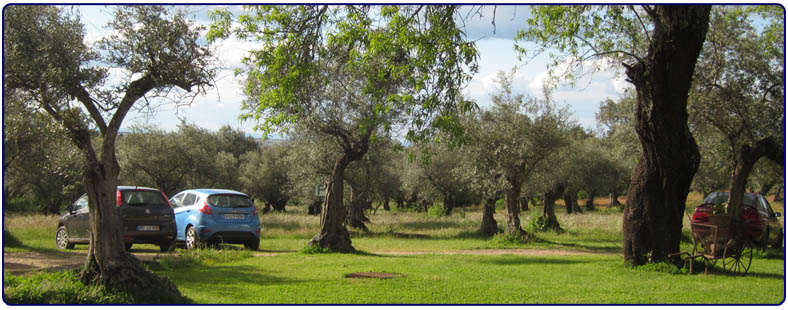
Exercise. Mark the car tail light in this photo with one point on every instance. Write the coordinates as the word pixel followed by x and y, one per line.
pixel 255 209
pixel 749 214
pixel 166 199
pixel 118 198
pixel 701 214
pixel 206 209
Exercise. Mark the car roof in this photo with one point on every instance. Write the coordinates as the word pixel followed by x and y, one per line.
pixel 127 187
pixel 214 191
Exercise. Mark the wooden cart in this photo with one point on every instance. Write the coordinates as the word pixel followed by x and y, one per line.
pixel 713 241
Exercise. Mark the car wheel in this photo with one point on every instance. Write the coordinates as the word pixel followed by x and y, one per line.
pixel 128 246
pixel 252 244
pixel 62 239
pixel 167 246
pixel 191 238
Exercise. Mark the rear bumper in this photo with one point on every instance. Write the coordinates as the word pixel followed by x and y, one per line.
pixel 166 233
pixel 233 234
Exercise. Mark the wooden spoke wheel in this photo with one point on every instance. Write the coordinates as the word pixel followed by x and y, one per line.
pixel 737 257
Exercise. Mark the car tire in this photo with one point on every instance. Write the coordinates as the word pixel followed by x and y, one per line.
pixel 192 240
pixel 252 244
pixel 167 246
pixel 61 239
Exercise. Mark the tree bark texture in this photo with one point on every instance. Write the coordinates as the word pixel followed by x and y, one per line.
pixel 333 235
pixel 660 183
pixel 489 226
pixel 513 209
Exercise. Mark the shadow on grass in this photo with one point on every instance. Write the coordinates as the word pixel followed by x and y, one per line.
pixel 429 225
pixel 596 249
pixel 530 260
pixel 226 275
pixel 26 248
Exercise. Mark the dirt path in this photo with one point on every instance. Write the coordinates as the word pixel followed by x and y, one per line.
pixel 26 262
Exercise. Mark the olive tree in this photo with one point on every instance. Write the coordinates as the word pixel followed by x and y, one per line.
pixel 264 175
pixel 512 138
pixel 352 73
pixel 47 57
pixel 740 88
pixel 658 46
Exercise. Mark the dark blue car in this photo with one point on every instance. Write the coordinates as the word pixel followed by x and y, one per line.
pixel 213 216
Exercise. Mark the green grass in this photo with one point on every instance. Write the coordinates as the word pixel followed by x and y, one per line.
pixel 396 243
pixel 55 288
pixel 475 279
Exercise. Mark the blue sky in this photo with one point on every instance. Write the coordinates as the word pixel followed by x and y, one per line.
pixel 222 104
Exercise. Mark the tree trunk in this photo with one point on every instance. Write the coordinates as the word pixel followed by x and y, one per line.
pixel 489 226
pixel 743 165
pixel 279 205
pixel 386 205
pixel 575 205
pixel 357 205
pixel 524 204
pixel 613 200
pixel 315 207
pixel 777 196
pixel 513 209
pixel 590 202
pixel 660 183
pixel 568 203
pixel 333 235
pixel 550 220
pixel 449 203
pixel 108 264
pixel 267 207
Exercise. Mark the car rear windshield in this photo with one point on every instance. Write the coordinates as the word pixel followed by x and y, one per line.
pixel 722 197
pixel 142 198
pixel 229 201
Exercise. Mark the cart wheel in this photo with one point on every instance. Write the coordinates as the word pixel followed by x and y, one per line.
pixel 737 257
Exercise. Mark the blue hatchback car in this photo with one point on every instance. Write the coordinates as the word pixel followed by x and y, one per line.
pixel 212 216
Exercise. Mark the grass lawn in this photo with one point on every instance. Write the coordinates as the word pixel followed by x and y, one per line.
pixel 466 279
pixel 421 251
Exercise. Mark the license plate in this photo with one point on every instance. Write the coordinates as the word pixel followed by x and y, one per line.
pixel 148 228
pixel 232 216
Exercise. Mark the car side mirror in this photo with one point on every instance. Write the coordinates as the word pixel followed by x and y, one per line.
pixel 70 209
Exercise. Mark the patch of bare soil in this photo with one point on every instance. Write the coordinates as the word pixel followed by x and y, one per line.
pixel 25 262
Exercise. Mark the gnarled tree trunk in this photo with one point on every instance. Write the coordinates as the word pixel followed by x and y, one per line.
pixel 108 264
pixel 513 208
pixel 333 234
pixel 489 226
pixel 746 159
pixel 660 183
pixel 550 220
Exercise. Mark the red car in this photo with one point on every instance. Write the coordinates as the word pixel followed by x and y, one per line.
pixel 760 220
